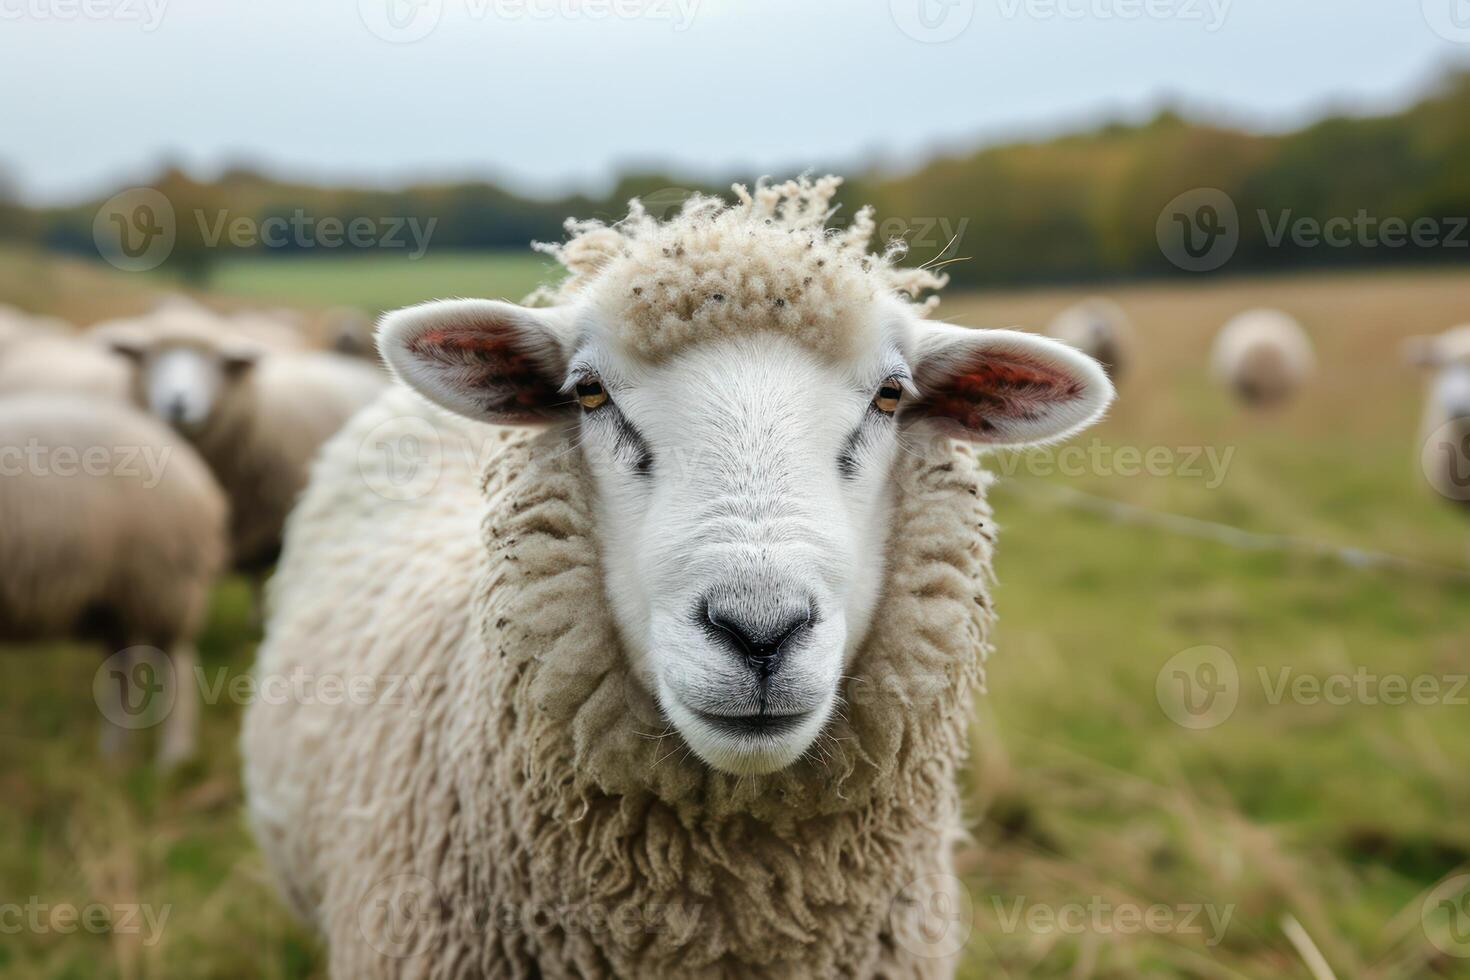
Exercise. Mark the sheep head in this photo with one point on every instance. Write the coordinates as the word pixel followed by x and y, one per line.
pixel 740 382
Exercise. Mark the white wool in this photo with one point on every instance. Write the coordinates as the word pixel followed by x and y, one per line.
pixel 1263 356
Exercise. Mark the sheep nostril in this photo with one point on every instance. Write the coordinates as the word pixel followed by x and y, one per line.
pixel 763 647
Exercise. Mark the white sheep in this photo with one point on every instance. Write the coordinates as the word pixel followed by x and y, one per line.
pixel 1444 436
pixel 1263 357
pixel 17 325
pixel 673 676
pixel 113 532
pixel 1099 328
pixel 257 415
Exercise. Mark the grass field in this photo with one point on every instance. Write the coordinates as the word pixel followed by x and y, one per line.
pixel 1109 840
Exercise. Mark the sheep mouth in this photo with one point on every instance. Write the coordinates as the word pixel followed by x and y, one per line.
pixel 748 726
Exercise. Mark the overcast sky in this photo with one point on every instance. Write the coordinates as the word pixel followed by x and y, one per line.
pixel 551 94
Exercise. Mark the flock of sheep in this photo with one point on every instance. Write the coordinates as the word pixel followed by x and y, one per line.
pixel 141 458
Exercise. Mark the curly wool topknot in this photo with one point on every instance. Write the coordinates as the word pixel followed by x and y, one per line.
pixel 715 269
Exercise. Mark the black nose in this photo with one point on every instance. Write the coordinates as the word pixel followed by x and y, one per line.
pixel 763 646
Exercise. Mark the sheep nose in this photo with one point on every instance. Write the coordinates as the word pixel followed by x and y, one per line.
pixel 176 409
pixel 762 643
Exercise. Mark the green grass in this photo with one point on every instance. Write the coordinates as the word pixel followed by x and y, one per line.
pixel 382 282
pixel 1081 789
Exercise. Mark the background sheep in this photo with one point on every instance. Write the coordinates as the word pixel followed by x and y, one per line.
pixel 49 361
pixel 1099 328
pixel 113 532
pixel 722 545
pixel 257 416
pixel 1444 436
pixel 1263 357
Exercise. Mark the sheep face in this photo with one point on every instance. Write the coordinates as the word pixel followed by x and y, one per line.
pixel 743 484
pixel 184 381
pixel 1446 427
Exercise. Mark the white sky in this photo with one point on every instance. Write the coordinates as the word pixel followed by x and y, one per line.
pixel 546 96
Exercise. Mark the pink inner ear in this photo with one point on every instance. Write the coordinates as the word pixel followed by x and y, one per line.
pixel 989 391
pixel 488 366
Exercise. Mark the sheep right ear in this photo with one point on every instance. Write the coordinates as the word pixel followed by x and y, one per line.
pixel 1422 352
pixel 484 359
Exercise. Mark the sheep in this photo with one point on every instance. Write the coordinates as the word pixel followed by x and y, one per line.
pixel 1444 436
pixel 53 361
pixel 255 414
pixel 664 646
pixel 1100 329
pixel 1263 357
pixel 113 533
pixel 17 325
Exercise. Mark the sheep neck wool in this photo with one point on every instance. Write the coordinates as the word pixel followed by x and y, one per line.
pixel 576 802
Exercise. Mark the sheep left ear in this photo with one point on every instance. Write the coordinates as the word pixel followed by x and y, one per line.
pixel 484 359
pixel 1004 387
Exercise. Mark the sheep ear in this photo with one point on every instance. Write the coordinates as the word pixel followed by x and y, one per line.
pixel 484 359
pixel 1422 352
pixel 1004 387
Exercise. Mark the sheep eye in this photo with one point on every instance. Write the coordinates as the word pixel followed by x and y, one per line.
pixel 591 394
pixel 886 400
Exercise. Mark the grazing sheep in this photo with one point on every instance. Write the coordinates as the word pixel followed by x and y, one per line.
pixel 1263 357
pixel 673 677
pixel 256 415
pixel 17 325
pixel 1444 437
pixel 113 532
pixel 1099 328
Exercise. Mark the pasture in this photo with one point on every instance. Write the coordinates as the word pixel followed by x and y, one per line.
pixel 1091 807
